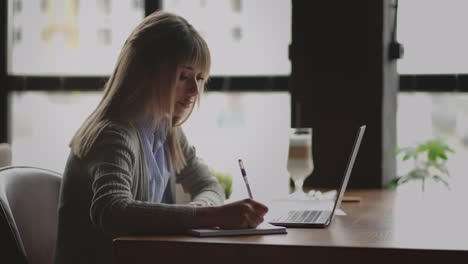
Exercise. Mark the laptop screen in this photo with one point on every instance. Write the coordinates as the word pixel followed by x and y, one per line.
pixel 349 168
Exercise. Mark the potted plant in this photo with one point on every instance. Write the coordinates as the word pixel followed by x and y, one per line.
pixel 429 158
pixel 225 179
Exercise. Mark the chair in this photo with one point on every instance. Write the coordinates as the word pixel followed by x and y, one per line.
pixel 28 214
pixel 5 154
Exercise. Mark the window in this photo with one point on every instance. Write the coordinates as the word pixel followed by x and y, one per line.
pixel 245 37
pixel 433 33
pixel 422 116
pixel 226 127
pixel 435 60
pixel 68 37
pixel 75 39
pixel 43 124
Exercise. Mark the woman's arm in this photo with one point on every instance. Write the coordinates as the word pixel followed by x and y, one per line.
pixel 196 178
pixel 246 213
pixel 115 211
pixel 204 188
pixel 113 208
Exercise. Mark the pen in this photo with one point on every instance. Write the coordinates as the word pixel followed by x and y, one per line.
pixel 244 175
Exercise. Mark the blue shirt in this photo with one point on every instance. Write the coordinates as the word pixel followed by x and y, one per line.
pixel 153 143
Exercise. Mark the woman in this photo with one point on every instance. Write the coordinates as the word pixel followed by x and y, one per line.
pixel 127 154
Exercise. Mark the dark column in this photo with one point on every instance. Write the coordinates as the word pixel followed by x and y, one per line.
pixel 4 130
pixel 342 78
pixel 151 6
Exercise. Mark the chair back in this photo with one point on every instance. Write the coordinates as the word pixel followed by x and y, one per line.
pixel 28 213
pixel 5 154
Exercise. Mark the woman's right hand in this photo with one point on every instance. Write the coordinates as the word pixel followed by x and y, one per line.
pixel 245 213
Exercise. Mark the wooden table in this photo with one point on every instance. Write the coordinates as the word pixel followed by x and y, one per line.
pixel 385 227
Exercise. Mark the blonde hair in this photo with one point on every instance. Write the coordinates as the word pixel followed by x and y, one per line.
pixel 143 81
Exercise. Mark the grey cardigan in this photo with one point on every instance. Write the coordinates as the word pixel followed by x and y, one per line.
pixel 105 195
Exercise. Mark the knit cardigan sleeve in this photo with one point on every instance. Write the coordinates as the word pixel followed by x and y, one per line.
pixel 196 178
pixel 114 209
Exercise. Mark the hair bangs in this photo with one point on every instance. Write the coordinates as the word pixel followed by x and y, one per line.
pixel 197 55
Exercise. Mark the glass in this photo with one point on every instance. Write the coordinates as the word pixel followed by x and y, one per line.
pixel 300 163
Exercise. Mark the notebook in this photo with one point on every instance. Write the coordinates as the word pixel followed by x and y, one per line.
pixel 321 218
pixel 262 229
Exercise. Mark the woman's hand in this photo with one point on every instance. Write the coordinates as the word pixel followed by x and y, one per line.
pixel 246 213
pixel 198 203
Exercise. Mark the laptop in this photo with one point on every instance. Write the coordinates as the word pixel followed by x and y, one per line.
pixel 321 218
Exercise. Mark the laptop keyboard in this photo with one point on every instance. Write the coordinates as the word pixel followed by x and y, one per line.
pixel 302 216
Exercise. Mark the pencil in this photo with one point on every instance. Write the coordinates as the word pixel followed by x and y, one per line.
pixel 244 176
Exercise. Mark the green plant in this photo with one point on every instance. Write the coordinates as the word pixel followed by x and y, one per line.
pixel 225 179
pixel 430 158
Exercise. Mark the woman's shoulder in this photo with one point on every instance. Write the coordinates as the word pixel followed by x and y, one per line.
pixel 116 132
pixel 115 136
pixel 119 127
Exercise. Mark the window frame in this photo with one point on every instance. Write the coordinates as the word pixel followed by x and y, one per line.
pixel 433 83
pixel 4 88
pixel 407 82
pixel 96 83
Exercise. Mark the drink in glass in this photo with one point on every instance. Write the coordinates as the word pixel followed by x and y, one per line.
pixel 300 164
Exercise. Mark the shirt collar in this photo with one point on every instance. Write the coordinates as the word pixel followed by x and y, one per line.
pixel 152 131
pixel 147 125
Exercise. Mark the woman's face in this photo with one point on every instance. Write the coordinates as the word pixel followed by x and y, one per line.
pixel 188 86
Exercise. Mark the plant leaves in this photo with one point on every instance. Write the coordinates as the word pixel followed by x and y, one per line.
pixel 403 179
pixel 442 168
pixel 436 148
pixel 408 152
pixel 437 178
pixel 417 174
pixel 443 156
pixel 224 179
pixel 421 148
pixel 436 151
pixel 394 183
